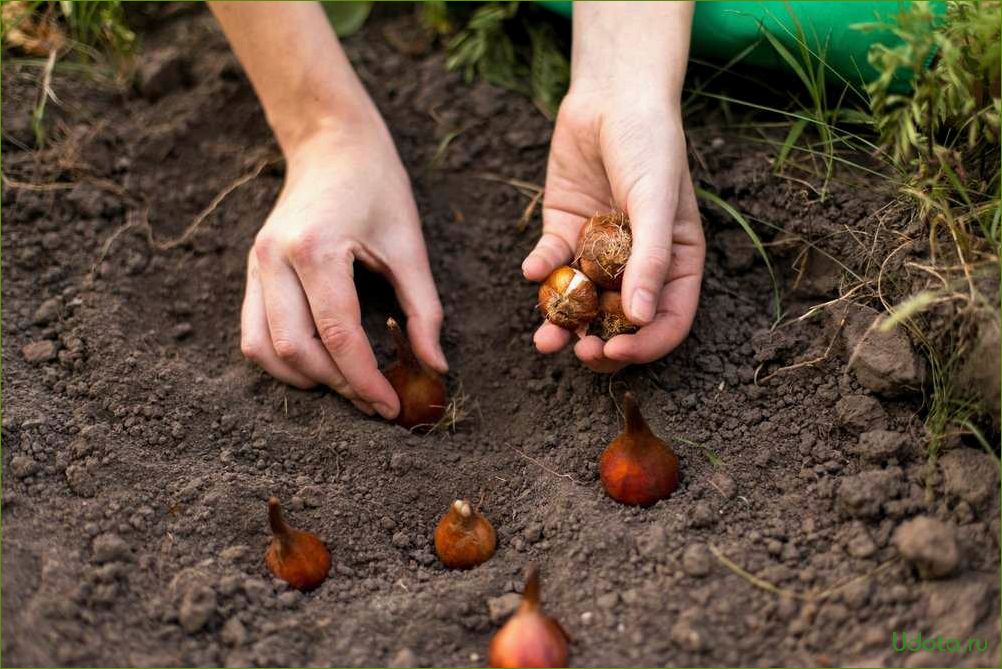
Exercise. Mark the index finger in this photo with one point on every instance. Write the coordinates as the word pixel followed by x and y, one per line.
pixel 330 290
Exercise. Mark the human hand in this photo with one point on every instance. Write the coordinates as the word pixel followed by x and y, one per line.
pixel 346 197
pixel 632 156
pixel 618 142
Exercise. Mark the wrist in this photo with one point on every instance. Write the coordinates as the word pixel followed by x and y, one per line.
pixel 323 119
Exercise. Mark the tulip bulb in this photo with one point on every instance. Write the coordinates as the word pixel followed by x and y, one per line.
pixel 568 298
pixel 637 468
pixel 298 558
pixel 612 319
pixel 464 538
pixel 530 638
pixel 604 248
pixel 420 389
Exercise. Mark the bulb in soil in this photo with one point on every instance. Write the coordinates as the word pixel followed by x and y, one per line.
pixel 464 538
pixel 637 468
pixel 420 389
pixel 530 638
pixel 604 248
pixel 612 319
pixel 298 558
pixel 568 298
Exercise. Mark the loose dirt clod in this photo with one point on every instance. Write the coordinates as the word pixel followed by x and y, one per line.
pixel 929 545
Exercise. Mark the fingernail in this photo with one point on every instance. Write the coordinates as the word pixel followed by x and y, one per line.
pixel 443 364
pixel 642 305
pixel 363 407
pixel 525 266
pixel 384 410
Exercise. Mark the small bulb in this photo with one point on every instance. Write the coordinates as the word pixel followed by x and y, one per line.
pixel 612 319
pixel 568 298
pixel 604 247
pixel 529 638
pixel 420 389
pixel 298 558
pixel 637 468
pixel 464 538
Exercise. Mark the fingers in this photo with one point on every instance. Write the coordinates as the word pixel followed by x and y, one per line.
pixel 671 325
pixel 591 351
pixel 550 338
pixel 651 207
pixel 552 251
pixel 255 338
pixel 333 302
pixel 411 277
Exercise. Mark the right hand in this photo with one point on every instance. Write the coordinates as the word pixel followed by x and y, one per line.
pixel 346 197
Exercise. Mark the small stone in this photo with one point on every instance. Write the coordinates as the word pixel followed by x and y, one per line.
pixel 607 600
pixel 22 466
pixel 969 474
pixel 500 608
pixel 881 445
pixel 110 547
pixel 403 658
pixel 234 633
pixel 702 515
pixel 686 636
pixel 533 532
pixel 39 351
pixel 401 539
pixel 928 544
pixel 883 362
pixel 48 311
pixel 233 553
pixel 181 331
pixel 859 413
pixel 696 560
pixel 198 604
pixel 289 598
pixel 723 483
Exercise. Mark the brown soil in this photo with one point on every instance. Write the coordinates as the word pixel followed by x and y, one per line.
pixel 140 448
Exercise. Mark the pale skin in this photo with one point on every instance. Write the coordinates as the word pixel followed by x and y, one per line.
pixel 618 140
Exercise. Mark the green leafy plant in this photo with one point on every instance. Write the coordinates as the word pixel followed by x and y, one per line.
pixel 506 44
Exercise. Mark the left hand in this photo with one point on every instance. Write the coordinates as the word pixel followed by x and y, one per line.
pixel 616 149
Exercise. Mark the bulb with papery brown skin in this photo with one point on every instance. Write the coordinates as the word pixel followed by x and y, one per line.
pixel 298 558
pixel 568 298
pixel 637 468
pixel 420 389
pixel 530 638
pixel 464 537
pixel 612 319
pixel 604 247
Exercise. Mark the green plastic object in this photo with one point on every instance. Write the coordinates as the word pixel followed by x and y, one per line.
pixel 722 30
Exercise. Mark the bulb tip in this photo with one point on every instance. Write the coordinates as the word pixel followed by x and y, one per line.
pixel 462 507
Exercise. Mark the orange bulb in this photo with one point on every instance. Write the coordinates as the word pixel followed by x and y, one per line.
pixel 529 638
pixel 420 389
pixel 637 468
pixel 604 247
pixel 298 558
pixel 464 538
pixel 568 298
pixel 612 319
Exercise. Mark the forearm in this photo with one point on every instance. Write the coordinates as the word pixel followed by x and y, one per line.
pixel 297 67
pixel 626 45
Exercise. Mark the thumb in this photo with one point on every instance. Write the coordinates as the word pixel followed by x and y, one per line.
pixel 551 252
pixel 651 209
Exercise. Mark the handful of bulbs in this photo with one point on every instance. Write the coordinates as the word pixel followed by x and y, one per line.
pixel 570 297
